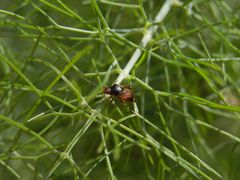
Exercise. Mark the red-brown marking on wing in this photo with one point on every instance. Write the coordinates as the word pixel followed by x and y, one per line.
pixel 126 95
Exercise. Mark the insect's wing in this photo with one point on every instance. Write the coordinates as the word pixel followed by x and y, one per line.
pixel 126 95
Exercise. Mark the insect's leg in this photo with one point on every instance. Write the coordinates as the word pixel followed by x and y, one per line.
pixel 111 99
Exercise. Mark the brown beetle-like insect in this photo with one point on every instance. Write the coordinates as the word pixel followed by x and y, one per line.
pixel 123 93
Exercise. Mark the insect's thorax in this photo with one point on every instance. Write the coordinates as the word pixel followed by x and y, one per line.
pixel 116 90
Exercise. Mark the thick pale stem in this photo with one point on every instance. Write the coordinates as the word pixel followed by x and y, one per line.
pixel 145 40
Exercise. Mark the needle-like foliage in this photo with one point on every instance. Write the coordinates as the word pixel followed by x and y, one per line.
pixel 180 58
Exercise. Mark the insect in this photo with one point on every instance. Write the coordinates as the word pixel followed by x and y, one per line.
pixel 125 94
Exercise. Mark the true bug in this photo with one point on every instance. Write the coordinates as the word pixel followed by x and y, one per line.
pixel 123 93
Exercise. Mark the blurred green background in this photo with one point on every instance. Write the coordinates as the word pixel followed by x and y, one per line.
pixel 57 56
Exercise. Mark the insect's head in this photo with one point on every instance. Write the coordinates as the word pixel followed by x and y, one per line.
pixel 107 90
